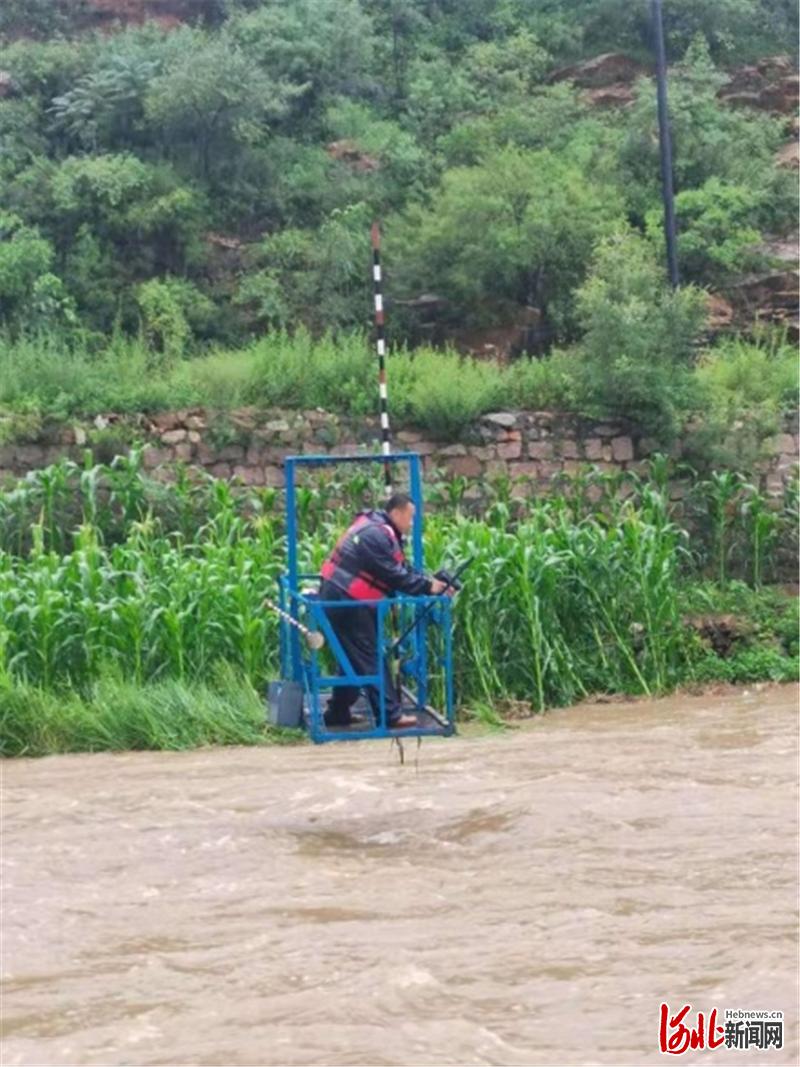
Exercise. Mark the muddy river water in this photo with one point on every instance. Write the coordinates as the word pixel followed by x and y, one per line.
pixel 524 898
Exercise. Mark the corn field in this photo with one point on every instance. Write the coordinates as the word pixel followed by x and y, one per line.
pixel 130 611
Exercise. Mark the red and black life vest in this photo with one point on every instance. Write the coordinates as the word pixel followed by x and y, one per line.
pixel 366 547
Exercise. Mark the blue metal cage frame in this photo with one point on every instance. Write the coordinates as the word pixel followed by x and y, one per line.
pixel 305 666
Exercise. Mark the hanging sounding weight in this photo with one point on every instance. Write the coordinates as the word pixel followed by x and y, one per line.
pixel 380 344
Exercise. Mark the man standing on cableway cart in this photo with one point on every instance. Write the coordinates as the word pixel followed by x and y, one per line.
pixel 367 564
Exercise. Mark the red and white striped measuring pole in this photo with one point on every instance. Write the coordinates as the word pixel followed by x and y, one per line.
pixel 380 343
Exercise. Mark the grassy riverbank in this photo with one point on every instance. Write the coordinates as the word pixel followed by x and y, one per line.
pixel 130 612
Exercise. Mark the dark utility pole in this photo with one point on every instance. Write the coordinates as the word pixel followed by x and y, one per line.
pixel 666 144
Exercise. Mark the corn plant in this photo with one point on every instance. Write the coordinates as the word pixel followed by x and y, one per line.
pixel 762 524
pixel 719 494
pixel 159 588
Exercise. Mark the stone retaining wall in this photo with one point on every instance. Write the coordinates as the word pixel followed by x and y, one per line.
pixel 249 444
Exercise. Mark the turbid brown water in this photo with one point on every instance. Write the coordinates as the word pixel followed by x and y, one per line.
pixel 529 898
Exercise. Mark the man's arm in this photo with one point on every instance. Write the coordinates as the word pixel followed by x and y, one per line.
pixel 378 550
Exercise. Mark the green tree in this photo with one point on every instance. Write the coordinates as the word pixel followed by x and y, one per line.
pixel 516 230
pixel 105 106
pixel 205 153
pixel 209 103
pixel 507 69
pixel 24 256
pixel 439 95
pixel 317 277
pixel 124 200
pixel 31 296
pixel 41 18
pixel 320 48
pixel 171 311
pixel 709 138
pixel 551 117
pixel 98 280
pixel 455 24
pixel 400 26
pixel 112 220
pixel 395 166
pixel 639 334
pixel 41 70
pixel 21 138
pixel 716 236
pixel 51 308
pixel 281 183
pixel 732 29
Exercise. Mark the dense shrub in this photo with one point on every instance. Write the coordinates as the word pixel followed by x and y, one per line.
pixel 639 335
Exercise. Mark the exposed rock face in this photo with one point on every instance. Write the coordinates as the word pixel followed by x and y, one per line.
pixel 783 250
pixel 720 313
pixel 6 84
pixel 609 69
pixel 607 79
pixel 744 80
pixel 349 152
pixel 776 67
pixel 225 252
pixel 111 15
pixel 526 333
pixel 167 13
pixel 770 85
pixel 788 156
pixel 782 97
pixel 770 297
pixel 720 633
pixel 610 96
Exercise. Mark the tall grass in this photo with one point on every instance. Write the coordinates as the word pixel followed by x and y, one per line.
pixel 42 373
pixel 293 370
pixel 118 715
pixel 435 390
pixel 761 373
pixel 440 391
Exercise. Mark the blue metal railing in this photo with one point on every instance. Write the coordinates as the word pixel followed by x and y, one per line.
pixel 304 666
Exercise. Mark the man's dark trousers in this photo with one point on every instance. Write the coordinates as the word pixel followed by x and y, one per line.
pixel 357 630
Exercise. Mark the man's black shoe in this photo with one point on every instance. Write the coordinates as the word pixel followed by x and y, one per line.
pixel 338 722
